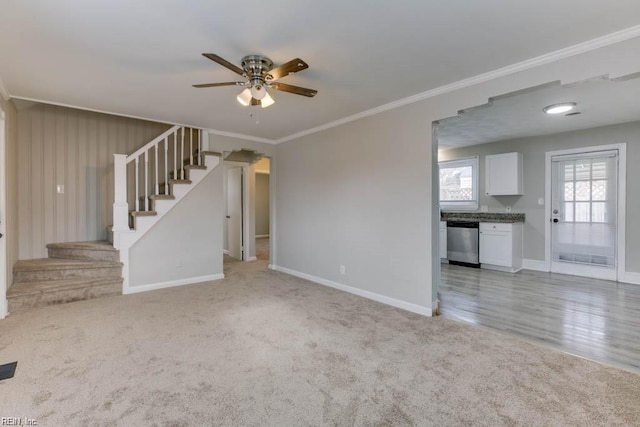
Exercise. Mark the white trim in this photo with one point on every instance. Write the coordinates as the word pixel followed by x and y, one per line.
pixel 414 308
pixel 4 286
pixel 172 283
pixel 534 264
pixel 225 251
pixel 251 258
pixel 258 236
pixel 3 91
pixel 607 40
pixel 630 277
pixel 621 208
pixel 131 116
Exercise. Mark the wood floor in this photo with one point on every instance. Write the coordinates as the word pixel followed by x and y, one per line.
pixel 592 318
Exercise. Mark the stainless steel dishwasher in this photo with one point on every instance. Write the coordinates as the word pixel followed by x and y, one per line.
pixel 462 243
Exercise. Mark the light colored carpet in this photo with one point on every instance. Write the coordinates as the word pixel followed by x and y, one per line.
pixel 262 348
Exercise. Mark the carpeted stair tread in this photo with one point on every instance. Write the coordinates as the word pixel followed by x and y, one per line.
pixel 61 264
pixel 39 287
pixel 97 245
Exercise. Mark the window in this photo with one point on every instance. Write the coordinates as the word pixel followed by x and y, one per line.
pixel 459 184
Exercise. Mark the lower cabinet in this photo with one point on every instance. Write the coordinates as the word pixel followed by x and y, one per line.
pixel 501 246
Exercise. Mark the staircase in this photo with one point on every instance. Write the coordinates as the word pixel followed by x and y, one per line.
pixel 72 272
pixel 157 177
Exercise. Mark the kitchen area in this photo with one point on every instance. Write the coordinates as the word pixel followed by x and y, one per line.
pixel 491 240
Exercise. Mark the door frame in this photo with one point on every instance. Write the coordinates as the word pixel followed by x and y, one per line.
pixel 622 202
pixel 3 218
pixel 248 207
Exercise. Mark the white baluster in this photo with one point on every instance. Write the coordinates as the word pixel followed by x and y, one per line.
pixel 137 185
pixel 157 181
pixel 182 156
pixel 146 180
pixel 166 165
pixel 175 154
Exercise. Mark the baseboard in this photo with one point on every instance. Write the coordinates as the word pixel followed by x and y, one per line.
pixel 258 236
pixel 631 277
pixel 272 267
pixel 534 264
pixel 4 308
pixel 435 311
pixel 414 308
pixel 252 258
pixel 172 283
pixel 225 251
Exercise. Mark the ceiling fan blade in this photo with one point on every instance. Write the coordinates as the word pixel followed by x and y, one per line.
pixel 219 84
pixel 294 89
pixel 224 63
pixel 287 68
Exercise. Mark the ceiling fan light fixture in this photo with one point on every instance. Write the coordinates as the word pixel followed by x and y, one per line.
pixel 559 108
pixel 267 100
pixel 244 97
pixel 258 91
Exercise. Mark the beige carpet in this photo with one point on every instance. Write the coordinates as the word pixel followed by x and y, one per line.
pixel 262 348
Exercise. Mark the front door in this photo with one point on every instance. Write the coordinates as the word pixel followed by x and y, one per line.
pixel 584 217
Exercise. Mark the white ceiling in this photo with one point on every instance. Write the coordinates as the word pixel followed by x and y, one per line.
pixel 141 57
pixel 600 102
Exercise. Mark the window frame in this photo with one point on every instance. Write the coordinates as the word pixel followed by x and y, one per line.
pixel 459 205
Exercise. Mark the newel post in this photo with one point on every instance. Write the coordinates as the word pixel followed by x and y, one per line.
pixel 120 205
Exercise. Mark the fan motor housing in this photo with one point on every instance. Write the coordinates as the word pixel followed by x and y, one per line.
pixel 256 66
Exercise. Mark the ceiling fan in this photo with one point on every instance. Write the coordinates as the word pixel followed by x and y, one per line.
pixel 259 75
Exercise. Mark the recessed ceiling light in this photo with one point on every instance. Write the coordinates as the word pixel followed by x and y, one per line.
pixel 559 108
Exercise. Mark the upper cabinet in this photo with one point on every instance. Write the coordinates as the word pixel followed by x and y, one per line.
pixel 503 173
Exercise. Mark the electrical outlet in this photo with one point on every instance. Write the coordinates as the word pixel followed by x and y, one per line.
pixel 508 209
pixel 60 189
pixel 541 201
pixel 343 269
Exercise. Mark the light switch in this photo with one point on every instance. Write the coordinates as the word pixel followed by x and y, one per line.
pixel 60 188
pixel 541 201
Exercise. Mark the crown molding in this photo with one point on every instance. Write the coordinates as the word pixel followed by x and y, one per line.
pixel 584 47
pixel 130 116
pixel 242 136
pixel 3 91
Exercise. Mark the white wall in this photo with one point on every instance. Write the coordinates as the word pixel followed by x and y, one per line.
pixel 185 245
pixel 10 219
pixel 362 194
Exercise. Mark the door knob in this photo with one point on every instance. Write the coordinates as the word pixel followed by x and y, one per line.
pixel 555 220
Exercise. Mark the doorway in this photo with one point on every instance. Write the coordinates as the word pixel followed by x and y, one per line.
pixel 262 205
pixel 234 217
pixel 585 218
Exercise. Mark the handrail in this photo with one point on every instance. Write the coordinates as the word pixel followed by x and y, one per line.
pixel 152 143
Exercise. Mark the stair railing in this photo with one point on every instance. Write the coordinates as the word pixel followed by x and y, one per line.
pixel 162 158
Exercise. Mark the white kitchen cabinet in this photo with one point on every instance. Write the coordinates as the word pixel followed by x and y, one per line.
pixel 503 174
pixel 443 240
pixel 501 246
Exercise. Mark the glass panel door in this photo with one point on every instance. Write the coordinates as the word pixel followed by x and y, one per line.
pixel 584 217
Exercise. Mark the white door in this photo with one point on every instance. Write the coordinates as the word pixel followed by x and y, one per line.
pixel 584 217
pixel 234 211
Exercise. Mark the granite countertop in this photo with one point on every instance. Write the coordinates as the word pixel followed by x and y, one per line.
pixel 482 217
